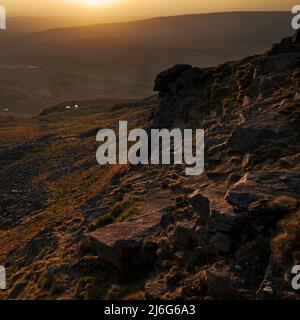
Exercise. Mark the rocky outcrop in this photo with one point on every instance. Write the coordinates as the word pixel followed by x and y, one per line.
pixel 250 112
pixel 176 104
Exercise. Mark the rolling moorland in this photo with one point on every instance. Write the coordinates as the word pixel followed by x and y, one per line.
pixel 40 67
pixel 71 229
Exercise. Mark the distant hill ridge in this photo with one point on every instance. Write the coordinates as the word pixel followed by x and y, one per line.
pixel 123 58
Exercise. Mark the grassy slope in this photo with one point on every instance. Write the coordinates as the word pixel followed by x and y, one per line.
pixel 68 190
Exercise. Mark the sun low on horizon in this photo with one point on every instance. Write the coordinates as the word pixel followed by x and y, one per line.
pixel 94 2
pixel 93 11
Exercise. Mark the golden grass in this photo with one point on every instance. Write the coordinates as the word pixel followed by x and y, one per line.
pixel 287 240
pixel 70 191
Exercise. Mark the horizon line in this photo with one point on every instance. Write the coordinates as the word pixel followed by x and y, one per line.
pixel 154 17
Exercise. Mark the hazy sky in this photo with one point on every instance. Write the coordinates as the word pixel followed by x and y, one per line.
pixel 132 9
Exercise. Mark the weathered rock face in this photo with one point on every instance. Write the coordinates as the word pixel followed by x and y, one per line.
pixel 188 94
pixel 123 245
pixel 255 187
pixel 164 80
pixel 120 244
pixel 257 129
pixel 250 112
pixel 177 105
pixel 224 283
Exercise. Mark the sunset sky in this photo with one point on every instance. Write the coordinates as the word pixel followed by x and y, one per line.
pixel 116 10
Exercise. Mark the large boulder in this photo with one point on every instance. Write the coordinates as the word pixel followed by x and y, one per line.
pixel 184 235
pixel 257 129
pixel 165 78
pixel 225 283
pixel 184 95
pixel 254 187
pixel 222 217
pixel 122 244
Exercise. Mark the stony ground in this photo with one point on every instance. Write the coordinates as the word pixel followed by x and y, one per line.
pixel 71 229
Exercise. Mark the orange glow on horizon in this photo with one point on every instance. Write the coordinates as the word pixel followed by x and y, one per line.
pixel 117 10
pixel 94 2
